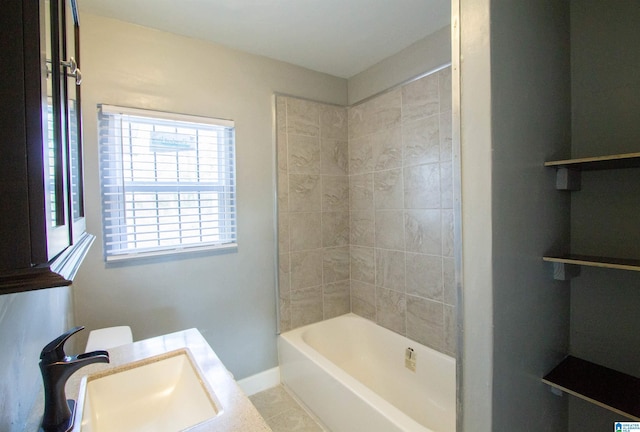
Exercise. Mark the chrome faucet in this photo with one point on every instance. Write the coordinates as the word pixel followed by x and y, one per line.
pixel 56 368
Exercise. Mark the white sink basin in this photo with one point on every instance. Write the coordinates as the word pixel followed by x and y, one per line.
pixel 164 393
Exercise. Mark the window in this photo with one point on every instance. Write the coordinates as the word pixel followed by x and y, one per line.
pixel 167 182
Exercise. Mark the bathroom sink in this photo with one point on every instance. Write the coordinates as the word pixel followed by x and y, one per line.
pixel 164 393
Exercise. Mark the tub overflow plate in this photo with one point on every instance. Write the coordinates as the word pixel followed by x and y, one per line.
pixel 410 359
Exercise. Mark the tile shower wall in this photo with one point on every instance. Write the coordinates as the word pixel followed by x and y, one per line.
pixel 365 201
pixel 401 211
pixel 313 211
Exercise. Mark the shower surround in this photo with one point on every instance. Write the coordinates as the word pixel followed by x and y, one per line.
pixel 365 211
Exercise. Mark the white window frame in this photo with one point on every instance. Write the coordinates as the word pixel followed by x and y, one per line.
pixel 120 230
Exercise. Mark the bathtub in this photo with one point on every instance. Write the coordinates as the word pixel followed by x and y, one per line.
pixel 351 374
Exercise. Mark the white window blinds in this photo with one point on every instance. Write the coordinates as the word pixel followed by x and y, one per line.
pixel 167 182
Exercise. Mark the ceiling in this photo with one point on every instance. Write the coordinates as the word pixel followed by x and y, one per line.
pixel 338 37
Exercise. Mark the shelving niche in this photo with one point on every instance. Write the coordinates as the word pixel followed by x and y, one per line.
pixel 610 389
pixel 568 178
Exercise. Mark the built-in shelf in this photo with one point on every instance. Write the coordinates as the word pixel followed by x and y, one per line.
pixel 610 389
pixel 627 160
pixel 594 261
pixel 566 267
pixel 568 171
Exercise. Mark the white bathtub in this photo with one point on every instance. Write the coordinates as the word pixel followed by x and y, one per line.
pixel 351 373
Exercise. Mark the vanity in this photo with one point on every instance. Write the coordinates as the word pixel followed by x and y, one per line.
pixel 226 408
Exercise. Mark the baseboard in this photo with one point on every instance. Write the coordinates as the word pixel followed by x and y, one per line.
pixel 261 381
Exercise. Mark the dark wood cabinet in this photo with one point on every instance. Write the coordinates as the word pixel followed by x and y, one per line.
pixel 42 230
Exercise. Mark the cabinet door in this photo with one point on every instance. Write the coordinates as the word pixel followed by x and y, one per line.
pixel 74 120
pixel 56 153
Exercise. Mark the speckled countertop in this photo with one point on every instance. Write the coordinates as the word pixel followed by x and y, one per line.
pixel 237 412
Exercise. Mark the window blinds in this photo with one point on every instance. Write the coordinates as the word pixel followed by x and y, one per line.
pixel 167 182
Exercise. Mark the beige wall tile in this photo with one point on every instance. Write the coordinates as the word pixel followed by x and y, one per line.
pixel 378 114
pixel 337 299
pixel 335 229
pixel 284 292
pixel 422 186
pixel 391 310
pixel 362 228
pixel 333 122
pixel 424 276
pixel 447 233
pixel 360 155
pixel 303 154
pixel 304 232
pixel 283 191
pixel 446 150
pixel 449 281
pixel 421 141
pixel 356 122
pixel 306 269
pixel 362 264
pixel 389 229
pixel 284 304
pixel 383 112
pixel 444 79
pixel 388 189
pixel 334 157
pixel 446 185
pixel 361 192
pixel 284 273
pixel 304 193
pixel 386 147
pixel 335 264
pixel 423 231
pixel 283 232
pixel 363 299
pixel 450 330
pixel 282 153
pixel 420 98
pixel 281 114
pixel 306 306
pixel 335 193
pixel 425 322
pixel 390 269
pixel 303 117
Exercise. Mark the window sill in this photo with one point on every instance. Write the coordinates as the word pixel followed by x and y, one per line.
pixel 169 254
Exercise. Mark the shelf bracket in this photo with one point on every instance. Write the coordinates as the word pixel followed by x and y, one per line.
pixel 568 179
pixel 564 271
pixel 556 391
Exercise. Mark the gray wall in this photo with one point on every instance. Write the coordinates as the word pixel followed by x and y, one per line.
pixel 230 298
pixel 605 66
pixel 28 321
pixel 529 123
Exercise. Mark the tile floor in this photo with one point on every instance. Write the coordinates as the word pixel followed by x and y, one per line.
pixel 282 413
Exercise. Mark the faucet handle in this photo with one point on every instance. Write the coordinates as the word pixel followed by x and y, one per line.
pixel 54 350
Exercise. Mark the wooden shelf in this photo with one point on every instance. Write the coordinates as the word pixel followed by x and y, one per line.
pixel 593 261
pixel 627 160
pixel 610 389
pixel 568 172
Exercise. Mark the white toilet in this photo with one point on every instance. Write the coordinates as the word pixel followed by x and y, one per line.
pixel 109 337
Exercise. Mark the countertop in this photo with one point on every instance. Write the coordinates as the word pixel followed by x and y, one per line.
pixel 237 412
